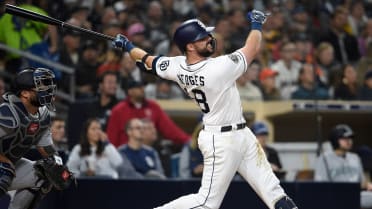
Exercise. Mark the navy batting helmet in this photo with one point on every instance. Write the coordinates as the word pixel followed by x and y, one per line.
pixel 190 31
pixel 338 132
pixel 41 80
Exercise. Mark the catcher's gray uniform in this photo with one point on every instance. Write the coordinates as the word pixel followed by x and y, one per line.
pixel 18 132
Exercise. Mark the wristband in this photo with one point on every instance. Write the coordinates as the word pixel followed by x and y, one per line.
pixel 129 46
pixel 144 58
pixel 256 26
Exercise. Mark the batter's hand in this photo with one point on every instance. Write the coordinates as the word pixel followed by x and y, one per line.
pixel 257 18
pixel 123 42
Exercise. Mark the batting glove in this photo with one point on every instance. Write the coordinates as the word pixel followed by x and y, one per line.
pixel 257 18
pixel 123 42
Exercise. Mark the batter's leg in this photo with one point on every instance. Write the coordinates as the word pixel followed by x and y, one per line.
pixel 256 170
pixel 221 161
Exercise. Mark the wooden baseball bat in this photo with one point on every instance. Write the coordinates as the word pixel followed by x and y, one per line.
pixel 17 11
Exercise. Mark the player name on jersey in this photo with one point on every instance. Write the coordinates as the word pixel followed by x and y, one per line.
pixel 194 80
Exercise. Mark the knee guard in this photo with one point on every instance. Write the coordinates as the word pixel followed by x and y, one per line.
pixel 285 203
pixel 7 174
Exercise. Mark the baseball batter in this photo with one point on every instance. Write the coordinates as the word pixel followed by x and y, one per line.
pixel 24 122
pixel 227 145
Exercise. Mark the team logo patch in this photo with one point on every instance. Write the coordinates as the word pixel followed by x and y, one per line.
pixel 164 65
pixel 234 58
pixel 32 128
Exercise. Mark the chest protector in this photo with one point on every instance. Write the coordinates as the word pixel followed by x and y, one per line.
pixel 20 130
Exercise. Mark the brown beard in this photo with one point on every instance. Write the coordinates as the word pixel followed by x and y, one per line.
pixel 205 52
pixel 34 101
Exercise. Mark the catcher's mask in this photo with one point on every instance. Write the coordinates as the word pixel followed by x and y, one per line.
pixel 41 80
pixel 190 31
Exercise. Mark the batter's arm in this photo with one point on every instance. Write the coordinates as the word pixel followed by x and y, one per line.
pixel 253 42
pixel 252 45
pixel 143 59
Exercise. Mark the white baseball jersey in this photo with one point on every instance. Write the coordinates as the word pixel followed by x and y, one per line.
pixel 209 84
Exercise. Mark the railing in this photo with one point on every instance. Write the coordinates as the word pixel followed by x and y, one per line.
pixel 65 69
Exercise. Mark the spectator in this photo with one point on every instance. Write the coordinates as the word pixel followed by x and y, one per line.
pixel 128 72
pixel 365 92
pixel 238 28
pixel 304 46
pixel 328 66
pixel 111 62
pixel 144 159
pixel 164 46
pixel 357 18
pixel 341 165
pixel 97 107
pixel 156 29
pixel 86 70
pixel 347 87
pixel 137 32
pixel 365 63
pixel 345 45
pixel 300 21
pixel 288 69
pixel 21 33
pixel 191 158
pixel 267 85
pixel 261 131
pixel 164 147
pixel 136 105
pixel 58 130
pixel 94 156
pixel 69 54
pixel 247 89
pixel 308 87
pixel 164 89
pixel 365 38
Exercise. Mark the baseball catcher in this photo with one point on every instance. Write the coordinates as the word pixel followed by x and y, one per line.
pixel 24 122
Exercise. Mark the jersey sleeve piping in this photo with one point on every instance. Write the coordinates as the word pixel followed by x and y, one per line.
pixel 154 64
pixel 244 60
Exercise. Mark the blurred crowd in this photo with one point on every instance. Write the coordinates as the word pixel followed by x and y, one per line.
pixel 311 50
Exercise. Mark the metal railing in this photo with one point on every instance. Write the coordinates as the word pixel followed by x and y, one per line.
pixel 55 65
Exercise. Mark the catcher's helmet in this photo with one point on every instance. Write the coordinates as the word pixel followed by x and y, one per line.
pixel 340 131
pixel 190 31
pixel 41 80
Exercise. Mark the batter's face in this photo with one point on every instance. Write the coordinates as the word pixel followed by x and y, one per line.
pixel 205 47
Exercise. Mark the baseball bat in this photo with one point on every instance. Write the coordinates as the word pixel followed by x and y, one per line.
pixel 17 11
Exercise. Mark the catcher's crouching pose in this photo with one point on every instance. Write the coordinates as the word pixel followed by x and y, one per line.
pixel 24 122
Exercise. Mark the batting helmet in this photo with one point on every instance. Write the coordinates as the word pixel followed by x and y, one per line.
pixel 190 31
pixel 340 131
pixel 41 80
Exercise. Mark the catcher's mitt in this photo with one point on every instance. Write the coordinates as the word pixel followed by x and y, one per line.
pixel 54 171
